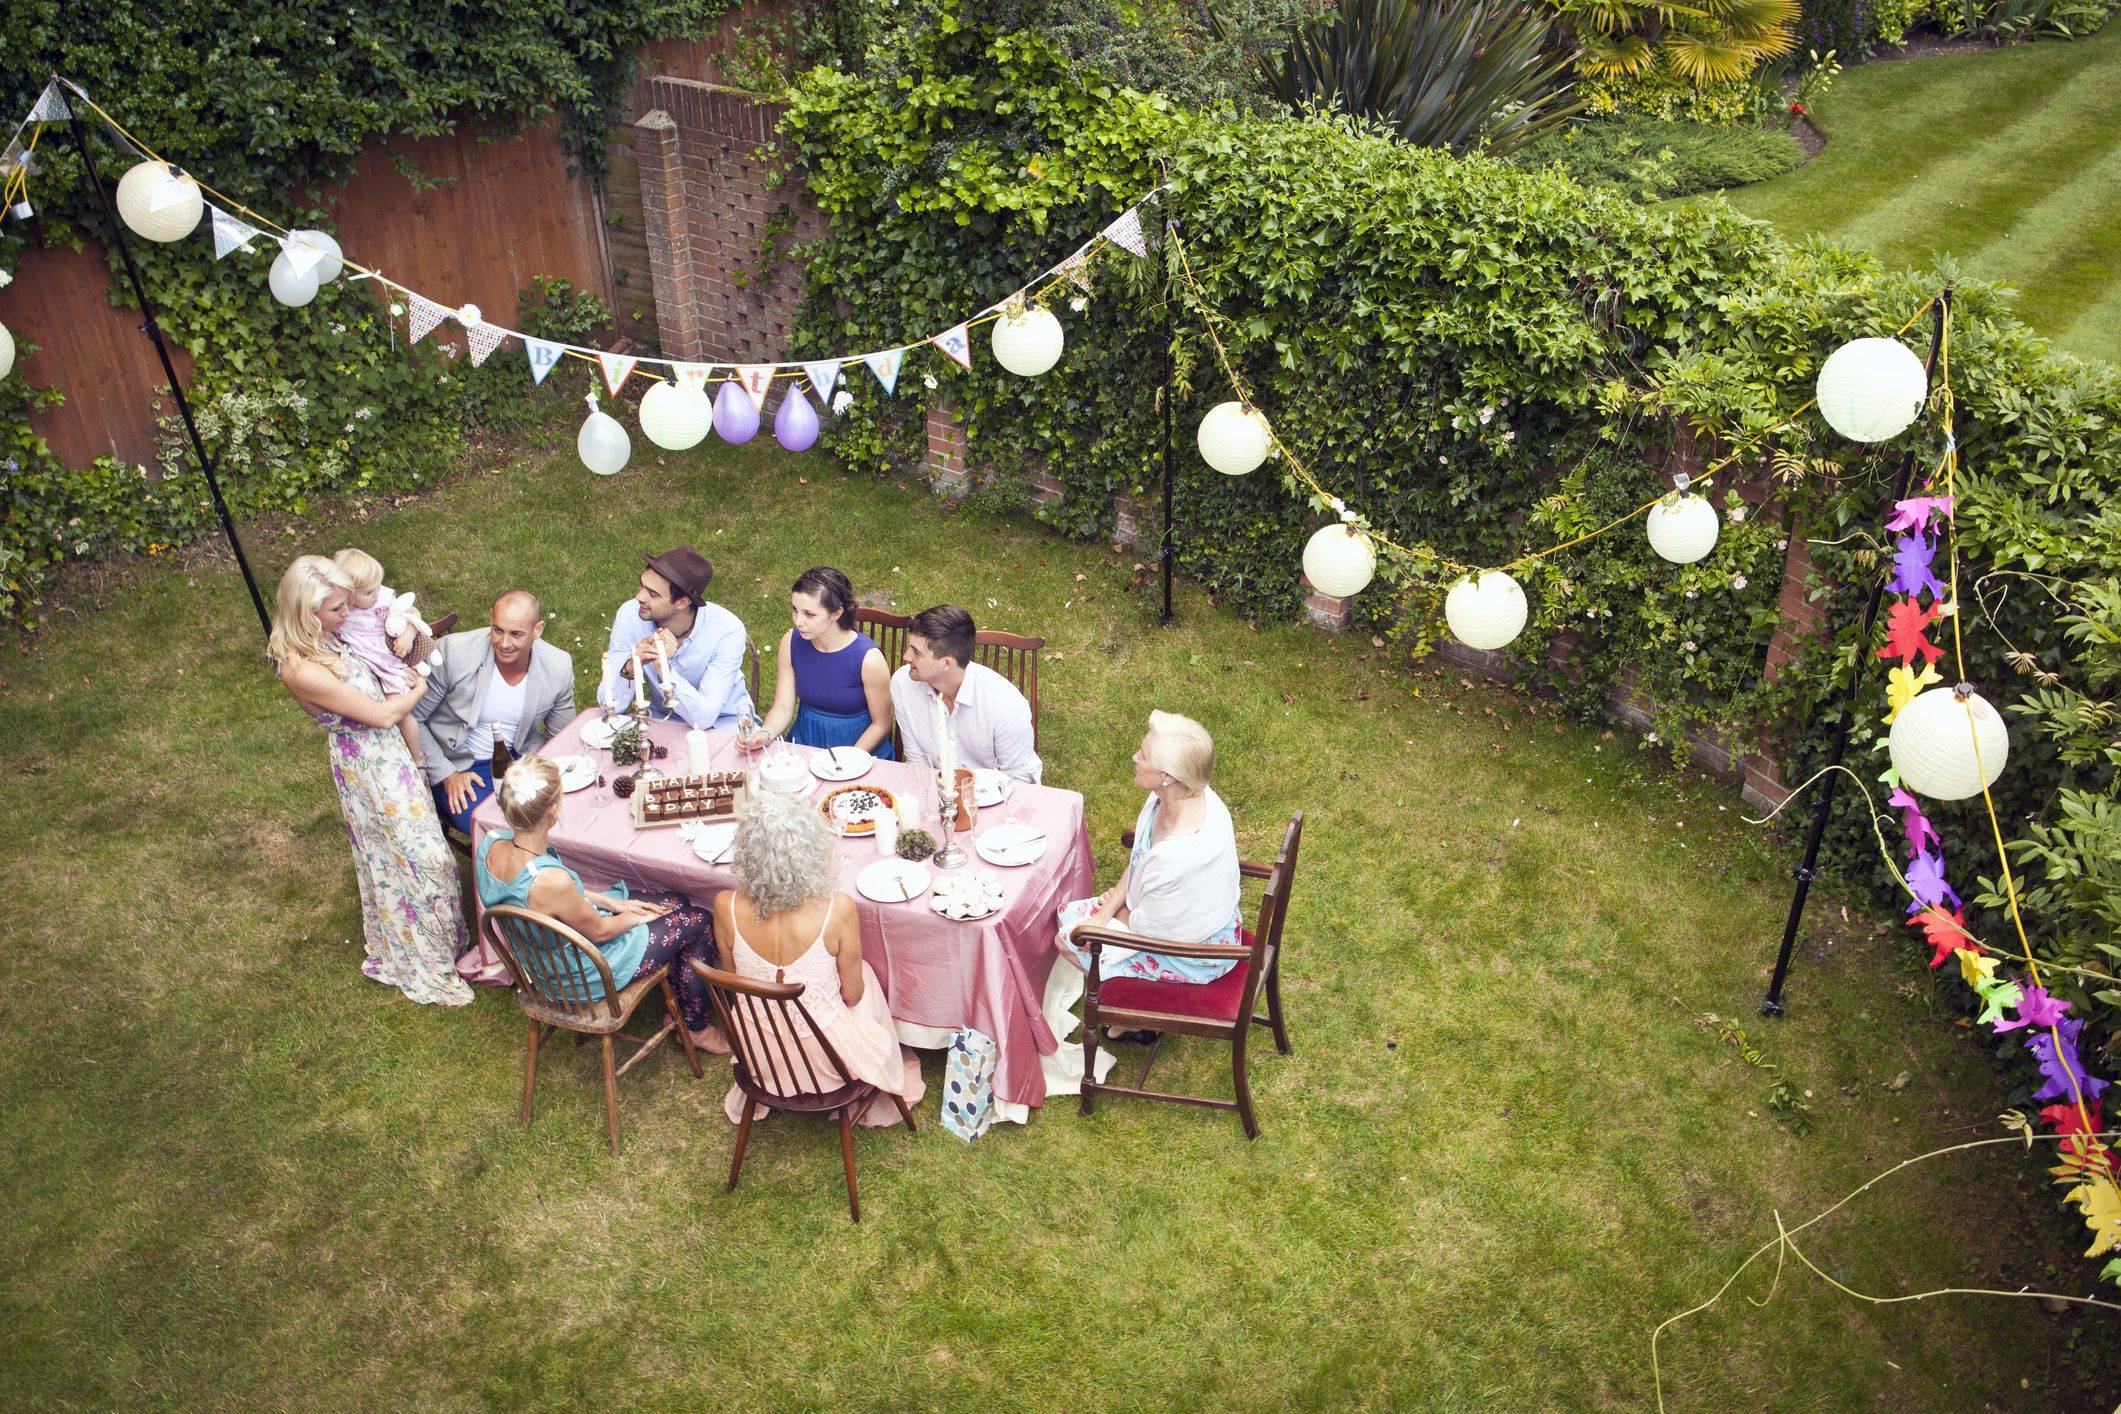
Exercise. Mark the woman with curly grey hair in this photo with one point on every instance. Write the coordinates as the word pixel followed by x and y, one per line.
pixel 786 921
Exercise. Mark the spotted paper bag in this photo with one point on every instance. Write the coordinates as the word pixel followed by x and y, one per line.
pixel 968 1084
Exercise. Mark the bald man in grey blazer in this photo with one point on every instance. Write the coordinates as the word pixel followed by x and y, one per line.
pixel 503 681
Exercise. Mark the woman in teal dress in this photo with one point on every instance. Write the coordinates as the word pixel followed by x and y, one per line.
pixel 832 687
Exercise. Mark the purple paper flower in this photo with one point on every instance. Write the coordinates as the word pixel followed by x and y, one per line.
pixel 1914 513
pixel 1913 821
pixel 2066 1076
pixel 1911 567
pixel 2038 1009
pixel 1925 876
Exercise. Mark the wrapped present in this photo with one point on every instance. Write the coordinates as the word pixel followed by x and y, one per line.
pixel 968 1084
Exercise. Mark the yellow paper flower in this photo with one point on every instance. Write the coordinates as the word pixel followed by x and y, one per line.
pixel 1975 967
pixel 1903 685
pixel 2100 1202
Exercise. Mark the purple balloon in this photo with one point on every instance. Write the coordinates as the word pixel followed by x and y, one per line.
pixel 796 423
pixel 735 419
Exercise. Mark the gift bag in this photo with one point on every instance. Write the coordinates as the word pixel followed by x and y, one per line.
pixel 968 1084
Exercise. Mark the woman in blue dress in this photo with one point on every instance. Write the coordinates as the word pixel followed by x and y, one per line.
pixel 832 686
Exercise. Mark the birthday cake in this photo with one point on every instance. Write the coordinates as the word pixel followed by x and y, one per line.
pixel 785 773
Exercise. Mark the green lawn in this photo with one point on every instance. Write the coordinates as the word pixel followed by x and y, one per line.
pixel 2008 159
pixel 1509 1142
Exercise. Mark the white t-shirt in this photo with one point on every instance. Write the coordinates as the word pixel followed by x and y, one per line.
pixel 499 715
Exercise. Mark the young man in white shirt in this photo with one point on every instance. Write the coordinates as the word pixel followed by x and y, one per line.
pixel 988 716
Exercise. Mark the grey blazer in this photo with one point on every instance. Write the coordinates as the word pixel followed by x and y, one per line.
pixel 461 667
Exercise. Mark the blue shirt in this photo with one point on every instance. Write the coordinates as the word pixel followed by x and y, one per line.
pixel 707 671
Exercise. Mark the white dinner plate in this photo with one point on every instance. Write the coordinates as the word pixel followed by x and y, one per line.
pixel 576 771
pixel 1012 844
pixel 839 763
pixel 712 843
pixel 892 881
pixel 991 787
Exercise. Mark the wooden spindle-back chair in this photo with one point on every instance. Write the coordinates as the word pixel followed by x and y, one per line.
pixel 556 971
pixel 1013 655
pixel 1222 1010
pixel 766 1022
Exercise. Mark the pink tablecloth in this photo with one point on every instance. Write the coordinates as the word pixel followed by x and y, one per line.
pixel 989 975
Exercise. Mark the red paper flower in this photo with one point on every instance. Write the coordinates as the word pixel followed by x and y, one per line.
pixel 1797 108
pixel 1944 932
pixel 1904 638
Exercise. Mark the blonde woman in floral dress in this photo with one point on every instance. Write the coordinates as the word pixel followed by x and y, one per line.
pixel 411 919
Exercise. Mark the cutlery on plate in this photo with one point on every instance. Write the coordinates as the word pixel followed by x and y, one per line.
pixel 832 754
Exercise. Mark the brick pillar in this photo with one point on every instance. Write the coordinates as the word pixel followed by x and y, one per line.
pixel 944 465
pixel 1046 489
pixel 1134 524
pixel 1325 611
pixel 668 233
pixel 1798 616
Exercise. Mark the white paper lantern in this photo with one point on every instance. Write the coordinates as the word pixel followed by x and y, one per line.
pixel 1932 744
pixel 1871 389
pixel 290 286
pixel 1683 528
pixel 675 417
pixel 1488 612
pixel 1233 438
pixel 1339 561
pixel 7 352
pixel 602 444
pixel 1028 342
pixel 159 203
pixel 334 260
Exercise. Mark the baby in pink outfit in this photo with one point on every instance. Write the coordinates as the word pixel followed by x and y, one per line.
pixel 364 636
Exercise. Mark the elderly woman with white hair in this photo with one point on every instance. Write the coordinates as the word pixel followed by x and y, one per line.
pixel 1181 882
pixel 786 921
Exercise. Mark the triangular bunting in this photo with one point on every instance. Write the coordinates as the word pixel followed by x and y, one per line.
pixel 756 378
pixel 424 315
pixel 822 376
pixel 544 354
pixel 1126 231
pixel 1077 269
pixel 694 376
pixel 885 366
pixel 957 343
pixel 230 234
pixel 167 191
pixel 51 106
pixel 617 369
pixel 483 338
pixel 302 257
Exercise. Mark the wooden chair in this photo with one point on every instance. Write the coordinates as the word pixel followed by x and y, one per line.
pixel 772 1068
pixel 1013 655
pixel 1221 1010
pixel 554 965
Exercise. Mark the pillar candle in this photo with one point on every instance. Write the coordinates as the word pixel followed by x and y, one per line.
pixel 697 751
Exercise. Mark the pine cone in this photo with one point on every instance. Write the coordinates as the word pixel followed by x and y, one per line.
pixel 622 787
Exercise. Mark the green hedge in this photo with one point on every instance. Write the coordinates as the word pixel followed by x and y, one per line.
pixel 1479 358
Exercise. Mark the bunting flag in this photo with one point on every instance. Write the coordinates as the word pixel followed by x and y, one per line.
pixel 1126 230
pixel 694 376
pixel 885 366
pixel 1077 269
pixel 167 191
pixel 425 314
pixel 543 355
pixel 617 369
pixel 230 234
pixel 51 106
pixel 302 257
pixel 956 342
pixel 756 378
pixel 822 376
pixel 482 339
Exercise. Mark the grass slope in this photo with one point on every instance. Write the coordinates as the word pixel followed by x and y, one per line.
pixel 2009 160
pixel 1509 1141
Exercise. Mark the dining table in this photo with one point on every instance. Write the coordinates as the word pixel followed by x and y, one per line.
pixel 940 974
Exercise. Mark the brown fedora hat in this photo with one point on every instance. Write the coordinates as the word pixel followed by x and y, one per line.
pixel 686 569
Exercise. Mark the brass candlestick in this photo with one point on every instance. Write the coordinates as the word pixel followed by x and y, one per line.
pixel 950 854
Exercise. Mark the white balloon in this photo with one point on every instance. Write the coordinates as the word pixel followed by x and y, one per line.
pixel 1233 438
pixel 1683 528
pixel 7 351
pixel 675 417
pixel 603 444
pixel 1486 613
pixel 327 269
pixel 1028 343
pixel 1871 389
pixel 1933 744
pixel 289 286
pixel 159 203
pixel 1339 561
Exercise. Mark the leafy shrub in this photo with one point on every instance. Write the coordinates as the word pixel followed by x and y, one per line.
pixel 1651 159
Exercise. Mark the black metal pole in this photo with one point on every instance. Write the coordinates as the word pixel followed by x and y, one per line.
pixel 1771 1004
pixel 176 388
pixel 1170 378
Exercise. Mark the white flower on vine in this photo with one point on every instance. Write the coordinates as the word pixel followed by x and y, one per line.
pixel 1487 415
pixel 1689 645
pixel 1737 514
pixel 1079 303
pixel 1509 436
pixel 397 311
pixel 1693 594
pixel 1783 544
pixel 1336 503
pixel 842 400
pixel 1737 581
pixel 927 380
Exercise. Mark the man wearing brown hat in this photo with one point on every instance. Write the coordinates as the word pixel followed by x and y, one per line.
pixel 670 621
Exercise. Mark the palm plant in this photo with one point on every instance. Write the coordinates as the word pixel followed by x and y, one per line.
pixel 1703 41
pixel 1456 74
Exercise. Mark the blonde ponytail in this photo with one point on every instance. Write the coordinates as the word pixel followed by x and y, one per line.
pixel 529 790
